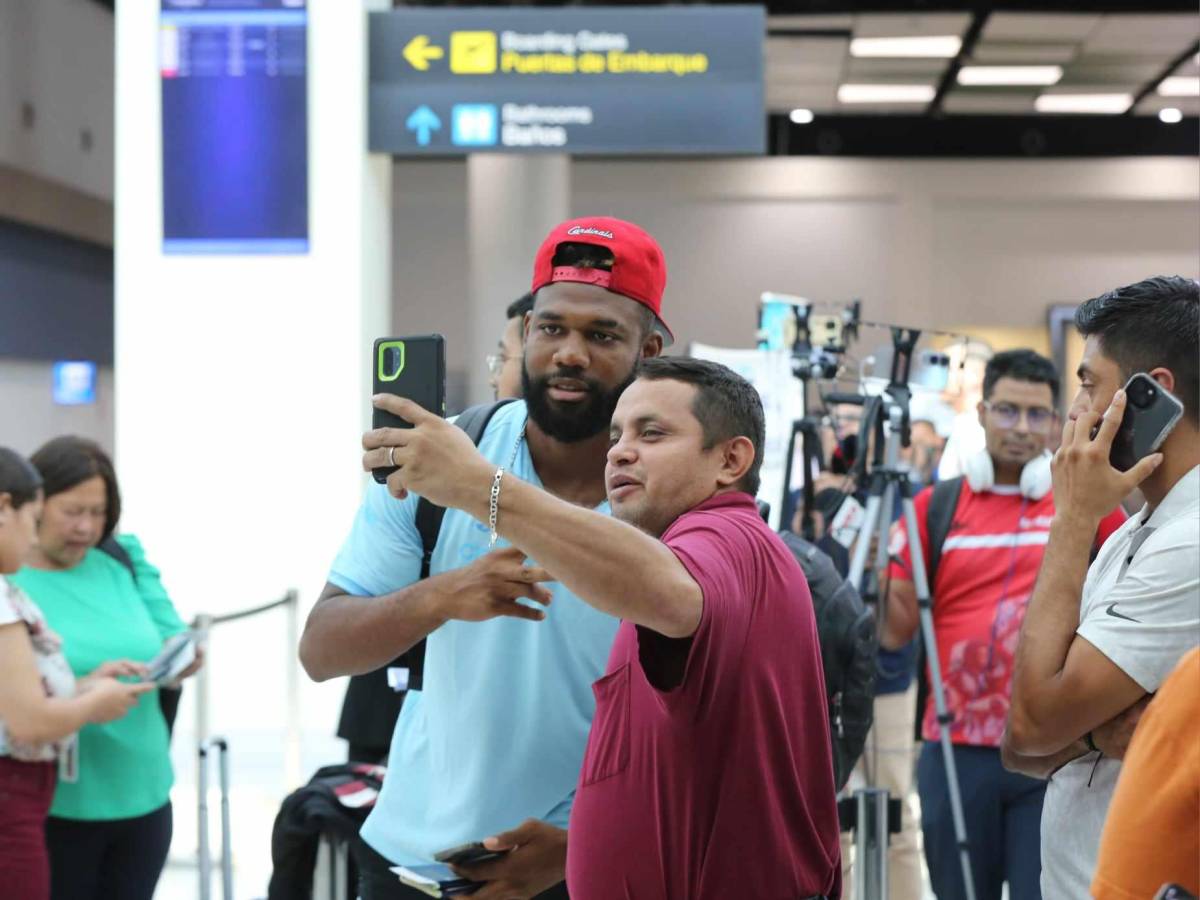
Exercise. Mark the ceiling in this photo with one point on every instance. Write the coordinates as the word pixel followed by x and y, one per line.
pixel 1122 49
pixel 809 57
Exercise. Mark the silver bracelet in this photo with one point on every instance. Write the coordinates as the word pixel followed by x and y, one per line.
pixel 494 508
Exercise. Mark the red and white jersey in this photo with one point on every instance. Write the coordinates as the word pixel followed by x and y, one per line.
pixel 988 567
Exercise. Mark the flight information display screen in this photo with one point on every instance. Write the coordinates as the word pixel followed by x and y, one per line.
pixel 234 126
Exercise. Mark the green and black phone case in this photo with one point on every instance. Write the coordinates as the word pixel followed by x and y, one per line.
pixel 409 367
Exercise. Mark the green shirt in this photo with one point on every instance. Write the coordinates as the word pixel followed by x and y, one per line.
pixel 103 614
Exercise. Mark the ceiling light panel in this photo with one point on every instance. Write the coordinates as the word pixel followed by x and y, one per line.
pixel 1095 104
pixel 944 46
pixel 886 93
pixel 1180 86
pixel 1009 76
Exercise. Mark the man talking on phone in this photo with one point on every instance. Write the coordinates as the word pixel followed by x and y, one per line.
pixel 497 733
pixel 708 772
pixel 1096 642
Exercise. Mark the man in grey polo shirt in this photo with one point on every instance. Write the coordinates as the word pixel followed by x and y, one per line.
pixel 1097 642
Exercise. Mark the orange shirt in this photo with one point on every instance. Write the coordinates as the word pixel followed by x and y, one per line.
pixel 1152 833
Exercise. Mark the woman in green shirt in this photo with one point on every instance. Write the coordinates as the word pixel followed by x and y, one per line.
pixel 109 830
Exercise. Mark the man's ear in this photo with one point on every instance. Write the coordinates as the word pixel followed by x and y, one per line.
pixel 652 346
pixel 980 409
pixel 6 506
pixel 1164 377
pixel 736 459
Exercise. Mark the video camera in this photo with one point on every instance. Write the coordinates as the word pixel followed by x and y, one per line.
pixel 817 342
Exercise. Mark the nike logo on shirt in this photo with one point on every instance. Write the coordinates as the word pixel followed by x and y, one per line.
pixel 1112 611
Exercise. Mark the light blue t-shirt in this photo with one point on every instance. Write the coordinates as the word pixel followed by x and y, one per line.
pixel 497 733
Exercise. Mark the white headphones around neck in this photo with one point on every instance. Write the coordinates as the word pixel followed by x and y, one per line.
pixel 1035 476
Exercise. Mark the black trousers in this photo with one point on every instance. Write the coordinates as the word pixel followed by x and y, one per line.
pixel 377 882
pixel 105 860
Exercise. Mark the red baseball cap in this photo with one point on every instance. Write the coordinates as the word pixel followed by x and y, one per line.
pixel 639 270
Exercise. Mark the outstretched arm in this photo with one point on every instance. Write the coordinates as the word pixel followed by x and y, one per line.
pixel 603 561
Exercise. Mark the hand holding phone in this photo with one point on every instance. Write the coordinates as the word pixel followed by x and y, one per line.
pixel 410 367
pixel 1151 411
pixel 1088 481
pixel 468 854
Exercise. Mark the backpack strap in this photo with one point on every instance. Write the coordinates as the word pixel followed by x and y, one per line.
pixel 938 519
pixel 474 421
pixel 113 548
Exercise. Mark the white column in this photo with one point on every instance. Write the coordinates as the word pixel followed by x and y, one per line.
pixel 242 382
pixel 512 203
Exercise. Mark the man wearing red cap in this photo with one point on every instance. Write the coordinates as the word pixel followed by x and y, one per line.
pixel 496 736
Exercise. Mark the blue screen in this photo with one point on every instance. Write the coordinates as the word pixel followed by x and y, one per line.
pixel 234 126
pixel 74 382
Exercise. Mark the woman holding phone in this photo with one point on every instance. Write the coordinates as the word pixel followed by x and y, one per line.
pixel 109 831
pixel 41 703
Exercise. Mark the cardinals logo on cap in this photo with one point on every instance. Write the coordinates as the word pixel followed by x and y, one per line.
pixel 579 229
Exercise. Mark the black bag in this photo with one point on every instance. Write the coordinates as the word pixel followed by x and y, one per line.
pixel 370 708
pixel 336 801
pixel 849 646
pixel 168 698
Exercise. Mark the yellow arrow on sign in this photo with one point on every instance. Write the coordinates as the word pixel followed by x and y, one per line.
pixel 418 52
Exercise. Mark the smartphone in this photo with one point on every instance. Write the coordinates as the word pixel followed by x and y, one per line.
pixel 410 367
pixel 468 854
pixel 177 654
pixel 1151 411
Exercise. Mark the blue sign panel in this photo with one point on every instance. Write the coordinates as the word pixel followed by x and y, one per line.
pixel 599 80
pixel 74 382
pixel 234 126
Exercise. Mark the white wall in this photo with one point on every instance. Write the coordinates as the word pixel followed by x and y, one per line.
pixel 242 391
pixel 929 243
pixel 58 55
pixel 29 416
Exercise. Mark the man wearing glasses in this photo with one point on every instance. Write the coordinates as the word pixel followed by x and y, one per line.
pixel 988 563
pixel 504 366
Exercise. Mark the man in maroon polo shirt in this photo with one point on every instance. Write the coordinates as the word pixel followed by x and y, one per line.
pixel 708 771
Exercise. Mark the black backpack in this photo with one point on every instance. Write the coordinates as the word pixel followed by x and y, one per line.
pixel 849 646
pixel 370 708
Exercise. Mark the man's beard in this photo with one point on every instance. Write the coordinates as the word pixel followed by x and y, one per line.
pixel 574 422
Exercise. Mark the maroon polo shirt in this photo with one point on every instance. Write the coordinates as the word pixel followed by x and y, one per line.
pixel 708 770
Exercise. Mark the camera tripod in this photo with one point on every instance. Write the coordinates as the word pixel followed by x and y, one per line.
pixel 886 482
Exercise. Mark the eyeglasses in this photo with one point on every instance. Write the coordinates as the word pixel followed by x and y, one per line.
pixel 496 362
pixel 1007 415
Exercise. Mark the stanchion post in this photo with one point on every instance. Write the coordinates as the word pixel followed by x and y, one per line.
pixel 203 626
pixel 292 738
pixel 871 845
